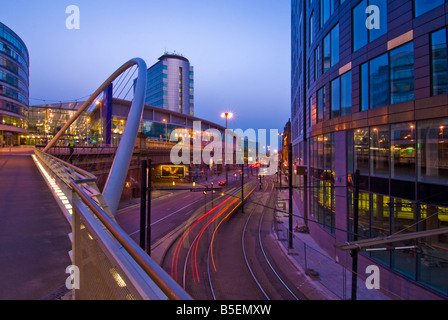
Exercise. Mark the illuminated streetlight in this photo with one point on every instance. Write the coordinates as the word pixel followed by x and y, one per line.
pixel 166 130
pixel 227 115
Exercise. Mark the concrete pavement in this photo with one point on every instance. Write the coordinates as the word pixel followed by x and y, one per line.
pixel 34 242
pixel 325 273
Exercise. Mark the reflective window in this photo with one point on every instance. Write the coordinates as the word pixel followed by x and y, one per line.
pixel 331 48
pixel 402 73
pixel 378 79
pixel 404 220
pixel 316 63
pixel 439 62
pixel 368 26
pixel 328 145
pixel 433 249
pixel 336 98
pixel 423 6
pixel 364 87
pixel 341 95
pixel 327 53
pixel 432 151
pixel 360 35
pixel 378 28
pixel 379 151
pixel 364 216
pixel 380 223
pixel 311 29
pixel 403 153
pixel 346 93
pixel 325 11
pixel 321 104
pixel 374 83
pixel 361 150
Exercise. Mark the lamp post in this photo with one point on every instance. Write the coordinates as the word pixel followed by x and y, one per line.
pixel 100 105
pixel 166 130
pixel 226 115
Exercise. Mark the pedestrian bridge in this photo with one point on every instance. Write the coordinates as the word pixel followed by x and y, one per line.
pixel 108 264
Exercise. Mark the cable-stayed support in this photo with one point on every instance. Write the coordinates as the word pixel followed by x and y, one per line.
pixel 117 175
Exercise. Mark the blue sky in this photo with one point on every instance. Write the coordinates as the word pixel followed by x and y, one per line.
pixel 240 50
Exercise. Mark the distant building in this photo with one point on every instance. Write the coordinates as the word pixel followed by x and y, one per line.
pixel 14 84
pixel 171 84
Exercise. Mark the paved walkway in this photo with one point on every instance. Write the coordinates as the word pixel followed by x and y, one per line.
pixel 34 242
pixel 323 271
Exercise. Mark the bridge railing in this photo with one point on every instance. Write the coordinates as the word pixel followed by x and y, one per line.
pixel 111 265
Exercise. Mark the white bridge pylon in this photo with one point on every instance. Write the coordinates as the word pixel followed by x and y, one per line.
pixel 117 175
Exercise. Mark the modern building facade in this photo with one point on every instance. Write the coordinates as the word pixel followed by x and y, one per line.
pixel 171 84
pixel 369 92
pixel 14 87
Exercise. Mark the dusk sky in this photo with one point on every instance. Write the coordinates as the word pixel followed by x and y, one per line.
pixel 240 50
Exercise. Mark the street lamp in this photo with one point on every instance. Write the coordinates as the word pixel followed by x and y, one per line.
pixel 226 115
pixel 166 130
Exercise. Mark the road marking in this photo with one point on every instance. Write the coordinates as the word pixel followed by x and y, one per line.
pixel 168 215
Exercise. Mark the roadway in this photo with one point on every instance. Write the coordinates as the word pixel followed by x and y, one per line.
pixel 216 252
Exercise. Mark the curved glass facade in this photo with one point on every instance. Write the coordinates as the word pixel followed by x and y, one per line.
pixel 374 99
pixel 14 87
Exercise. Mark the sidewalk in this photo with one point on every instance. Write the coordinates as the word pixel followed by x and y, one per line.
pixel 330 277
pixel 34 241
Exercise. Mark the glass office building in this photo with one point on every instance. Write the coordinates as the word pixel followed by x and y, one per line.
pixel 14 87
pixel 171 84
pixel 372 95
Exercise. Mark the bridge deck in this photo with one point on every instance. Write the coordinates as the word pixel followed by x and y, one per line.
pixel 34 242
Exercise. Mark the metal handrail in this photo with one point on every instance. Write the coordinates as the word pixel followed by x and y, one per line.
pixel 168 286
pixel 70 166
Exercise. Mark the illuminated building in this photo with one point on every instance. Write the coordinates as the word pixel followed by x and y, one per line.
pixel 374 100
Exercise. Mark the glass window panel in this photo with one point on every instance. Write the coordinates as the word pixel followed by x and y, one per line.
pixel 364 216
pixel 439 62
pixel 321 104
pixel 402 73
pixel 335 98
pixel 328 152
pixel 434 255
pixel 360 34
pixel 379 151
pixel 346 93
pixel 324 11
pixel 378 78
pixel 349 151
pixel 361 150
pixel 365 87
pixel 320 152
pixel 334 45
pixel 423 6
pixel 403 152
pixel 327 53
pixel 404 222
pixel 381 224
pixel 432 151
pixel 317 63
pixel 375 33
pixel 311 29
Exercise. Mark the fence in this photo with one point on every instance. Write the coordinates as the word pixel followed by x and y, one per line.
pixel 111 265
pixel 316 264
